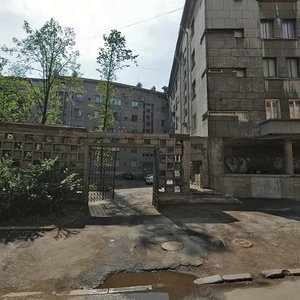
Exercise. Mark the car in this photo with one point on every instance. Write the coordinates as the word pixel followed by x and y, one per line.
pixel 149 179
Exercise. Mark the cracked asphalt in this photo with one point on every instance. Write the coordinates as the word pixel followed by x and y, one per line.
pixel 129 237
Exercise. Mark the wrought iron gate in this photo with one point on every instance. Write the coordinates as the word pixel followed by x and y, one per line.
pixel 102 174
pixel 195 175
pixel 155 197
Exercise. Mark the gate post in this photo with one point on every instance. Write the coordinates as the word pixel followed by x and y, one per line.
pixel 186 160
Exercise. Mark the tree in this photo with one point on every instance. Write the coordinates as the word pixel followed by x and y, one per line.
pixel 112 57
pixel 13 92
pixel 49 53
pixel 16 100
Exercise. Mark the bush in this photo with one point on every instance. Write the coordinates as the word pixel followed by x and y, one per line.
pixel 35 189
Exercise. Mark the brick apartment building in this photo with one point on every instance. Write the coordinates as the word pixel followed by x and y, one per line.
pixel 135 110
pixel 235 82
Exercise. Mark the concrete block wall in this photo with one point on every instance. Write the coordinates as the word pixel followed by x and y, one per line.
pixel 226 92
pixel 259 186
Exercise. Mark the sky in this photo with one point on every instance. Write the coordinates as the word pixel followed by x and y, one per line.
pixel 153 40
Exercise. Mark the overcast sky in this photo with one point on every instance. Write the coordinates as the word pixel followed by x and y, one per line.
pixel 153 40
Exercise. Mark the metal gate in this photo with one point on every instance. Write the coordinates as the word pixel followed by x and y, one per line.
pixel 195 175
pixel 155 197
pixel 102 174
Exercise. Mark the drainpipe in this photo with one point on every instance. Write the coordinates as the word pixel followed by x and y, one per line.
pixel 186 32
pixel 180 91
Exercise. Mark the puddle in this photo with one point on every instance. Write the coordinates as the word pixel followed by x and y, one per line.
pixel 177 285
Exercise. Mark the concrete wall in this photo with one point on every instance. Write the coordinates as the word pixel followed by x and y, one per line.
pixel 259 186
pixel 228 52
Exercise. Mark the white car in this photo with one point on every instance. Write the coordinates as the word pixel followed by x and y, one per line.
pixel 149 179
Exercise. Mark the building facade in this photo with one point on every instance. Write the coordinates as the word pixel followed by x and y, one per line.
pixel 135 110
pixel 235 81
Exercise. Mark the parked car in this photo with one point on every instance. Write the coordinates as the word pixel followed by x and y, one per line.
pixel 128 175
pixel 149 179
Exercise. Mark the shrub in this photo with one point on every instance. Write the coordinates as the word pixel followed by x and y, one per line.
pixel 35 189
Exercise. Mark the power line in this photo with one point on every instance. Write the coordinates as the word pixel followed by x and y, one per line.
pixel 149 19
pixel 139 22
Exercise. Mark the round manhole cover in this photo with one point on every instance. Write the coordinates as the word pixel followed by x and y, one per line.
pixel 242 243
pixel 172 246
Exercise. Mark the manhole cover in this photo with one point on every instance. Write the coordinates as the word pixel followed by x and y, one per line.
pixel 242 243
pixel 172 246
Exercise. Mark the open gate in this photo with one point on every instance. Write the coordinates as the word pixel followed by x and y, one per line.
pixel 102 174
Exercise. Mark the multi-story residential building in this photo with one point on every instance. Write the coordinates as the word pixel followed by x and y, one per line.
pixel 135 109
pixel 235 82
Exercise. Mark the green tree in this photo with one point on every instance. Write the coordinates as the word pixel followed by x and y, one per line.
pixel 13 92
pixel 16 100
pixel 49 53
pixel 112 57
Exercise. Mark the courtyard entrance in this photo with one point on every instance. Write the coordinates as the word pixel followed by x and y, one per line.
pixel 115 190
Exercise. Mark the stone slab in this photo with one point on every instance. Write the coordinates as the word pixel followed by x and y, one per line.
pixel 273 273
pixel 295 272
pixel 130 289
pixel 237 277
pixel 209 280
pixel 84 292
pixel 22 295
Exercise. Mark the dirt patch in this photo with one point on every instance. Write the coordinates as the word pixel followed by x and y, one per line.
pixel 83 256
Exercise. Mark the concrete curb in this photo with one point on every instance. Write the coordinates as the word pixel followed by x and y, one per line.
pixel 22 294
pixel 87 292
pixel 269 274
pixel 237 277
pixel 280 273
pixel 27 228
pixel 129 289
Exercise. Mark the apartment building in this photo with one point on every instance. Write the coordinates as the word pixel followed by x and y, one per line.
pixel 135 110
pixel 235 82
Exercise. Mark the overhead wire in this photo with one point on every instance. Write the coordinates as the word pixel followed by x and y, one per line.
pixel 139 22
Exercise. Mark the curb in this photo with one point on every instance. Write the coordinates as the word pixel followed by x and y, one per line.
pixel 27 228
pixel 269 274
pixel 90 292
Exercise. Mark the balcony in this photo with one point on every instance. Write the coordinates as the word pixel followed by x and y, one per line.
pixel 280 127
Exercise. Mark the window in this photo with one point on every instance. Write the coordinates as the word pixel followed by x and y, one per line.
pixel 193 59
pixel 117 116
pixel 192 27
pixel 272 109
pixel 289 28
pixel 78 113
pixel 133 163
pixel 96 113
pixel 133 150
pixel 134 104
pixel 266 28
pixel 97 99
pixel 294 109
pixel 162 109
pixel 134 118
pixel 79 98
pixel 116 102
pixel 194 89
pixel 163 123
pixel 194 122
pixel 269 67
pixel 292 67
